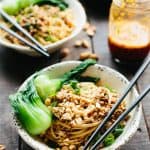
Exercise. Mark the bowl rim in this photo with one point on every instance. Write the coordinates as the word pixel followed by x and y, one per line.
pixel 75 32
pixel 33 142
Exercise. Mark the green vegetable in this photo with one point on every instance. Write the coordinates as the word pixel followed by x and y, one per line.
pixel 47 87
pixel 110 88
pixel 50 38
pixel 74 85
pixel 74 73
pixel 18 19
pixel 54 104
pixel 34 116
pixel 12 7
pixel 27 26
pixel 118 130
pixel 24 3
pixel 60 3
pixel 96 138
pixel 110 139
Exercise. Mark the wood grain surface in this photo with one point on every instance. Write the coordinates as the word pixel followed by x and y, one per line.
pixel 15 68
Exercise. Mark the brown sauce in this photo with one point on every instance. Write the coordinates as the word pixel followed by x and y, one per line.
pixel 131 43
pixel 125 54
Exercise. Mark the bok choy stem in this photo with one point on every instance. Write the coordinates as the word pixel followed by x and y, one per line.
pixel 13 7
pixel 47 87
pixel 34 116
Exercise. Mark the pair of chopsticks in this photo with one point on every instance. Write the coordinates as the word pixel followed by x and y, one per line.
pixel 125 113
pixel 37 47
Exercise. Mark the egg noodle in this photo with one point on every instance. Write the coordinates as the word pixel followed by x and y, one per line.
pixel 47 24
pixel 78 115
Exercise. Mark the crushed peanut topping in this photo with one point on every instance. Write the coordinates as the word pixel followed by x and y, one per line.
pixel 80 114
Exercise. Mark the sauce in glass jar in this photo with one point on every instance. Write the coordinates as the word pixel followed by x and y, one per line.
pixel 129 31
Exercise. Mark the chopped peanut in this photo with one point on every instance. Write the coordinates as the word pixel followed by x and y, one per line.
pixel 64 52
pixel 78 43
pixel 64 148
pixel 2 147
pixel 72 147
pixel 85 44
pixel 90 29
pixel 84 55
pixel 86 26
pixel 94 56
pixel 90 32
pixel 87 54
pixel 47 101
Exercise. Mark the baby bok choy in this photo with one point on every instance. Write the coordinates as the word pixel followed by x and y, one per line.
pixel 12 7
pixel 47 87
pixel 34 116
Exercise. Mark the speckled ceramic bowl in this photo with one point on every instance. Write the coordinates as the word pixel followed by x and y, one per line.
pixel 108 77
pixel 79 19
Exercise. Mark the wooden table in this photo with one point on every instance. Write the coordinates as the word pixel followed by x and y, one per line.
pixel 15 68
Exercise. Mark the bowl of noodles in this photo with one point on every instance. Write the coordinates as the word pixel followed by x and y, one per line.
pixel 52 25
pixel 78 106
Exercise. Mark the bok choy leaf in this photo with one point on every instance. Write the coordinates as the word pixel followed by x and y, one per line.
pixel 34 116
pixel 47 87
pixel 12 7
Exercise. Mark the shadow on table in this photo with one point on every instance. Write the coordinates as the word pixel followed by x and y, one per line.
pixel 17 67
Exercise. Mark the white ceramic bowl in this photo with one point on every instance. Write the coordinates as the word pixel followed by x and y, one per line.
pixel 80 19
pixel 108 77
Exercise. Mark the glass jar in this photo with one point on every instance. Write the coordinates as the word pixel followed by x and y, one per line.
pixel 129 30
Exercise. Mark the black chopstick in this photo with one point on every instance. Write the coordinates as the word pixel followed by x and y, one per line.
pixel 131 84
pixel 11 32
pixel 8 18
pixel 121 117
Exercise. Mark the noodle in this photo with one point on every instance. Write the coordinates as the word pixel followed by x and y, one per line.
pixel 83 133
pixel 63 124
pixel 46 23
pixel 53 133
pixel 86 125
pixel 77 116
